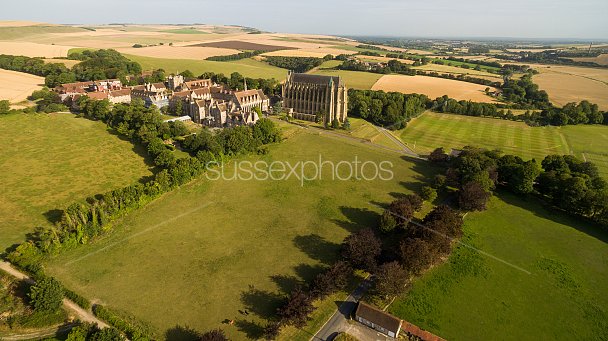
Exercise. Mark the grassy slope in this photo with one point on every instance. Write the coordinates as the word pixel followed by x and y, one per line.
pixel 48 161
pixel 589 142
pixel 432 130
pixel 473 297
pixel 178 262
pixel 9 33
pixel 247 67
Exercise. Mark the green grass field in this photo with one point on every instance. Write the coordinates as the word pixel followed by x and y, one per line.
pixel 433 130
pixel 49 161
pixel 9 33
pixel 353 79
pixel 201 253
pixel 589 143
pixel 246 67
pixel 474 297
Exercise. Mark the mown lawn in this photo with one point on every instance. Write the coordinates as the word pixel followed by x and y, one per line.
pixel 433 130
pixel 199 255
pixel 474 297
pixel 589 143
pixel 49 161
pixel 246 67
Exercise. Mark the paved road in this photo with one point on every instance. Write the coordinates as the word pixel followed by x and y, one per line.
pixel 80 313
pixel 398 142
pixel 339 320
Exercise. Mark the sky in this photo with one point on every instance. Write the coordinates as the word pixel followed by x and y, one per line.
pixel 586 19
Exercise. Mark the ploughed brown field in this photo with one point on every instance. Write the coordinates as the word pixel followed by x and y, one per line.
pixel 433 87
pixel 244 45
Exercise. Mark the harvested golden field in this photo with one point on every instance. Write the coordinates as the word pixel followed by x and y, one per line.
pixel 601 59
pixel 244 45
pixel 33 49
pixel 433 87
pixel 566 84
pixel 375 59
pixel 178 52
pixel 16 23
pixel 316 53
pixel 16 86
pixel 459 71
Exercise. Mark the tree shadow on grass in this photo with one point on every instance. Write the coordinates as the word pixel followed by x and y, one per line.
pixel 181 333
pixel 317 247
pixel 546 211
pixel 53 216
pixel 309 272
pixel 253 330
pixel 262 303
pixel 286 283
pixel 138 149
pixel 357 218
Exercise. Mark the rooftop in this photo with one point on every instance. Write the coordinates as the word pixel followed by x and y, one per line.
pixel 378 317
pixel 315 79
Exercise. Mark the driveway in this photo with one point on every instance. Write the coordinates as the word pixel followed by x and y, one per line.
pixel 340 320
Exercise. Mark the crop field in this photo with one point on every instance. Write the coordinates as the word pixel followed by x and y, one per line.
pixel 17 86
pixel 201 253
pixel 319 52
pixel 243 45
pixel 433 130
pixel 433 87
pixel 353 79
pixel 566 84
pixel 557 292
pixel 50 161
pixel 460 71
pixel 247 67
pixel 177 52
pixel 33 49
pixel 602 59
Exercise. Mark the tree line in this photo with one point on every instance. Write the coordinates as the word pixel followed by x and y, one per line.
pixel 392 110
pixel 563 181
pixel 393 66
pixel 95 65
pixel 296 64
pixel 394 253
pixel 583 112
pixel 81 222
pixel 54 72
pixel 236 56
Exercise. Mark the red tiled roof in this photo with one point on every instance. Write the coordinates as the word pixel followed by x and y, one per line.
pixel 97 95
pixel 416 331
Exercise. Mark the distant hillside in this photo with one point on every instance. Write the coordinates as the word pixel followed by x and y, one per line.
pixel 15 32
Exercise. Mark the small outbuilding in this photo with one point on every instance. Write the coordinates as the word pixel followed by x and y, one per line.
pixel 378 319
